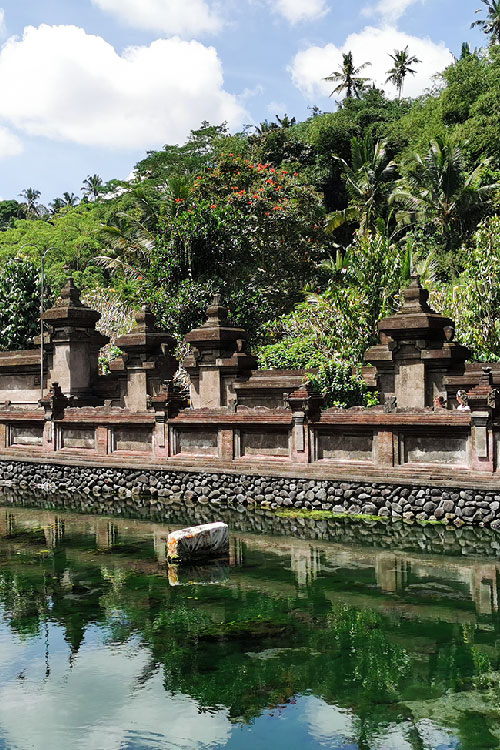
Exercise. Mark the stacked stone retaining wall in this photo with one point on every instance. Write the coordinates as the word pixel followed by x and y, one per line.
pixel 157 489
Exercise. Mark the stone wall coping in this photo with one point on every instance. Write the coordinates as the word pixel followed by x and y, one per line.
pixel 21 358
pixel 20 416
pixel 222 417
pixel 443 418
pixel 77 418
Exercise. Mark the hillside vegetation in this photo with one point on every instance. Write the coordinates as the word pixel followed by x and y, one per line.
pixel 308 229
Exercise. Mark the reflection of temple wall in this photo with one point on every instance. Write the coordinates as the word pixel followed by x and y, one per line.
pixel 106 534
pixel 391 572
pixel 484 588
pixel 160 545
pixel 305 563
pixel 54 532
pixel 7 523
pixel 235 551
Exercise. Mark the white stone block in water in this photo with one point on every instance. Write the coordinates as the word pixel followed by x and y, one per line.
pixel 198 542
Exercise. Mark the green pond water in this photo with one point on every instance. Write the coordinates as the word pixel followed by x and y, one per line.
pixel 289 644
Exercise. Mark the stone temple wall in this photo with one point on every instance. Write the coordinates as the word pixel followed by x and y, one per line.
pixel 438 421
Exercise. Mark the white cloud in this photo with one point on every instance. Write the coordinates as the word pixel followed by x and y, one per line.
pixel 10 144
pixel 329 725
pixel 311 65
pixel 61 83
pixel 3 28
pixel 296 11
pixel 277 109
pixel 105 705
pixel 184 17
pixel 390 10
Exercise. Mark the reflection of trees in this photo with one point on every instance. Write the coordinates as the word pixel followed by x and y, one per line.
pixel 23 603
pixel 243 648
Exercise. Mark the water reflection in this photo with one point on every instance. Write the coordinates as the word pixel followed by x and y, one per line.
pixel 290 643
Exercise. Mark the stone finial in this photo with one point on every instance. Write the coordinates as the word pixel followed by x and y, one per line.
pixel 145 320
pixel 486 376
pixel 70 310
pixel 70 295
pixel 416 298
pixel 216 313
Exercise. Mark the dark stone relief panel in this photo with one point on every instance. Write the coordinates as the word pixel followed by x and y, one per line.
pixel 430 449
pixel 334 446
pixel 133 438
pixel 270 443
pixel 77 437
pixel 26 434
pixel 196 441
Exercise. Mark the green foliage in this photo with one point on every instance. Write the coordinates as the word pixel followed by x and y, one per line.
pixel 366 182
pixel 341 386
pixel 441 197
pixel 9 212
pixel 370 661
pixel 73 237
pixel 473 299
pixel 19 304
pixel 181 309
pixel 331 330
pixel 232 231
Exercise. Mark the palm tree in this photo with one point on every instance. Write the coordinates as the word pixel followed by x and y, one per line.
pixel 491 24
pixel 70 199
pixel 56 205
pixel 401 68
pixel 348 78
pixel 439 193
pixel 30 207
pixel 366 182
pixel 132 236
pixel 92 186
pixel 282 122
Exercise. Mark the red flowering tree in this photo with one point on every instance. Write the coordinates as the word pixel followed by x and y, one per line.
pixel 253 231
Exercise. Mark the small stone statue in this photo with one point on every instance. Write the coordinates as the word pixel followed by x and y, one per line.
pixel 390 404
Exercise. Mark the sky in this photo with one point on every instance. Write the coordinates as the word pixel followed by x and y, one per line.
pixel 89 86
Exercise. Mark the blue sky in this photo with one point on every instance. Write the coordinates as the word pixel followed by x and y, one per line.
pixel 87 86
